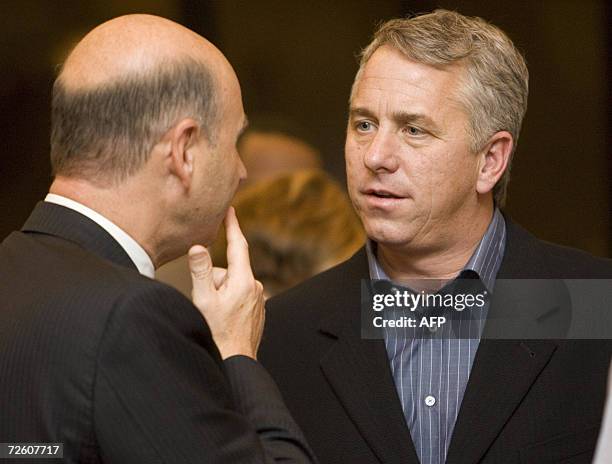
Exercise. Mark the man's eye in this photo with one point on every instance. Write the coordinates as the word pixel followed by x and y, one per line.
pixel 364 126
pixel 414 131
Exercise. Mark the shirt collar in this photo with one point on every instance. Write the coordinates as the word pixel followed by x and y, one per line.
pixel 137 254
pixel 485 261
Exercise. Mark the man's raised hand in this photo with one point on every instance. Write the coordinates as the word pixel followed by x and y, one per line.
pixel 231 300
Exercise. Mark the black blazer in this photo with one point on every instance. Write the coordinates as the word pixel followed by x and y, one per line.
pixel 530 401
pixel 118 367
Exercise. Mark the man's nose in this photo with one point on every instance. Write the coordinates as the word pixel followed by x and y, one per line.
pixel 381 155
pixel 242 171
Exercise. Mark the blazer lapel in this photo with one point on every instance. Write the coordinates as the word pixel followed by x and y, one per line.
pixel 51 219
pixel 503 370
pixel 358 372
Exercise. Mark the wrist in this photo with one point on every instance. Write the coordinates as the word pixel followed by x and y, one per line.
pixel 229 351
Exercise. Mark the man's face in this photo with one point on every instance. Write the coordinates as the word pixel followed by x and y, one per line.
pixel 411 174
pixel 220 169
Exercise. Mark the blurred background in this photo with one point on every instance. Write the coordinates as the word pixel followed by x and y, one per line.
pixel 298 58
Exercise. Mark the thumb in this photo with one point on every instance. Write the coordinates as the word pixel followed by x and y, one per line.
pixel 201 269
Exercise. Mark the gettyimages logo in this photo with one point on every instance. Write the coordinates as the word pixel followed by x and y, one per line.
pixel 467 309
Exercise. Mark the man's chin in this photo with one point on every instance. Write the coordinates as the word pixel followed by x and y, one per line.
pixel 392 239
pixel 385 231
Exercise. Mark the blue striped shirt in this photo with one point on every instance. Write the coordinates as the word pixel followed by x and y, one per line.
pixel 431 374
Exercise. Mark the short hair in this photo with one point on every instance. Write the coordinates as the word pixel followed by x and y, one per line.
pixel 106 133
pixel 495 82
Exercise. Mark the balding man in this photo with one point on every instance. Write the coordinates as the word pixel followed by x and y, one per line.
pixel 94 353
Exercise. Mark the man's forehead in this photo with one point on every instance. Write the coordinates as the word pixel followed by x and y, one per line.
pixel 371 92
pixel 400 86
pixel 391 75
pixel 392 67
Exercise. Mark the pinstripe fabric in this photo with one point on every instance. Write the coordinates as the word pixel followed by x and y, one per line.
pixel 119 367
pixel 431 374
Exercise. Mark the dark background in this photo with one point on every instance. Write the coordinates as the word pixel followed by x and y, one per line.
pixel 298 58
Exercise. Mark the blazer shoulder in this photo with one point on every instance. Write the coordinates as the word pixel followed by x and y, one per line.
pixel 527 255
pixel 575 263
pixel 72 280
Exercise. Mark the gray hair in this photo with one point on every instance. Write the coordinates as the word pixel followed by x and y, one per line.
pixel 495 82
pixel 105 134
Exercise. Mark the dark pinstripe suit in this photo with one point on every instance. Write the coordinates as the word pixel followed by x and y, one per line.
pixel 118 367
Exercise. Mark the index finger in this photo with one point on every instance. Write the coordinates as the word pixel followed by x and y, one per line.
pixel 238 263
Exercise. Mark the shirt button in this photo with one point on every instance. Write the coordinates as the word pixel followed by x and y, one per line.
pixel 430 401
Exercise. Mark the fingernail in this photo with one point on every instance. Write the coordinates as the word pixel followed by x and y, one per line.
pixel 197 251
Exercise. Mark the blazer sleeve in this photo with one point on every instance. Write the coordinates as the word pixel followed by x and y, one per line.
pixel 259 399
pixel 161 393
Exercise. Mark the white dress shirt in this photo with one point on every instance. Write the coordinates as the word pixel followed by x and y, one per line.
pixel 603 454
pixel 139 257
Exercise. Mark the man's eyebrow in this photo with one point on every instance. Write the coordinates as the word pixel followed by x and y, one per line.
pixel 360 111
pixel 403 118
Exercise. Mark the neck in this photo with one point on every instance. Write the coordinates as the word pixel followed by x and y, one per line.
pixel 126 205
pixel 440 264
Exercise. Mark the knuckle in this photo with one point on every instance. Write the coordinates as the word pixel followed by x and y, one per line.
pixel 200 273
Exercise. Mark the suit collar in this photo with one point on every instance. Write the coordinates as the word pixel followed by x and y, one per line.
pixel 349 276
pixel 523 258
pixel 484 262
pixel 59 221
pixel 134 250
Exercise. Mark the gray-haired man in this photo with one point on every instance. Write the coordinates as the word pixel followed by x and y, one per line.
pixel 434 119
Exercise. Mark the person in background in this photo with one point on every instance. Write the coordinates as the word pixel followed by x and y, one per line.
pixel 296 225
pixel 273 145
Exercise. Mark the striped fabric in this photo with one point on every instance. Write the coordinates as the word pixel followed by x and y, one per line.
pixel 431 374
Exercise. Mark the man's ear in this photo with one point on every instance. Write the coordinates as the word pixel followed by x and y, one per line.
pixel 182 137
pixel 494 161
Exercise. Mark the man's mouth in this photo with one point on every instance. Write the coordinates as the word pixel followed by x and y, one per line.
pixel 383 199
pixel 382 193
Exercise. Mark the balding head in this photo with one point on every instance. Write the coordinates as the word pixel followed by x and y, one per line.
pixel 134 45
pixel 126 83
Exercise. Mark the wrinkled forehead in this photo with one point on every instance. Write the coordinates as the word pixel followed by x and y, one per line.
pixel 391 75
pixel 393 68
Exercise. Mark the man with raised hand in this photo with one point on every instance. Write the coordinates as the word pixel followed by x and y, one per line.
pixel 95 354
pixel 434 117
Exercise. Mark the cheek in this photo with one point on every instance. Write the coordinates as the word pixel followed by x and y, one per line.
pixel 455 179
pixel 231 168
pixel 353 161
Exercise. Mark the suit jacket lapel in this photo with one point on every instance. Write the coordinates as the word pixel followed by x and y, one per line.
pixel 503 370
pixel 52 219
pixel 358 372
